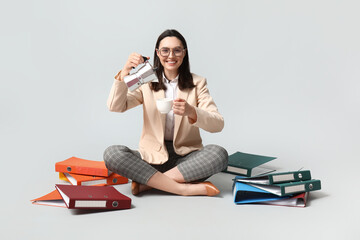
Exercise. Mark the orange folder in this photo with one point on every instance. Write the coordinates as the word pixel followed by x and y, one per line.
pixel 51 199
pixel 82 166
pixel 86 180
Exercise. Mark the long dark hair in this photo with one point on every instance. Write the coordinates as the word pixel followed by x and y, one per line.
pixel 185 77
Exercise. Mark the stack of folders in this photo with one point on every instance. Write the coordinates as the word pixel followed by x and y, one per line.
pixel 84 172
pixel 283 189
pixel 89 186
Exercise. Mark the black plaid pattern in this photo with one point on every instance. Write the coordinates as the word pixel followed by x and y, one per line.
pixel 197 165
pixel 128 163
pixel 203 163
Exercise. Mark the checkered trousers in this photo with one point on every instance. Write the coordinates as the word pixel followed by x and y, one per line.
pixel 195 166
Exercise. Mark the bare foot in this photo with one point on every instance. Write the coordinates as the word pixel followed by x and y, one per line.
pixel 195 189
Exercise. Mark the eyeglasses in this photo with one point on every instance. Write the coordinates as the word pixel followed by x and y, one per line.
pixel 165 52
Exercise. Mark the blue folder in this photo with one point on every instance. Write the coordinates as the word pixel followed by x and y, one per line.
pixel 244 193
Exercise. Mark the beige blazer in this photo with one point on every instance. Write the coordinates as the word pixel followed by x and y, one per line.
pixel 186 134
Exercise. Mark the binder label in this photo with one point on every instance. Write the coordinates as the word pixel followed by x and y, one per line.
pixel 86 203
pixel 296 188
pixel 95 182
pixel 237 170
pixel 283 178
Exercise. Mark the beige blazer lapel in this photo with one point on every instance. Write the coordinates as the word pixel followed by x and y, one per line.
pixel 158 95
pixel 178 118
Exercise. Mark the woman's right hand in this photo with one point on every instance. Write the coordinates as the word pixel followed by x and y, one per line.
pixel 133 61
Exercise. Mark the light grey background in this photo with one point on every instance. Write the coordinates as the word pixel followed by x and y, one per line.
pixel 284 74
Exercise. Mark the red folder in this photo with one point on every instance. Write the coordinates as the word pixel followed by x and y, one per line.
pixel 93 197
pixel 51 199
pixel 82 166
pixel 86 180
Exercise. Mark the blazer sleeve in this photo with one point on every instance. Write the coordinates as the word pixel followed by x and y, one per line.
pixel 120 99
pixel 208 117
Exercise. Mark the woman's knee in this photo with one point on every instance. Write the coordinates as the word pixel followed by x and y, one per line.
pixel 221 159
pixel 112 155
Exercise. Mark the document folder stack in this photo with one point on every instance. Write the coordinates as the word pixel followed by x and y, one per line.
pixel 88 187
pixel 84 172
pixel 284 189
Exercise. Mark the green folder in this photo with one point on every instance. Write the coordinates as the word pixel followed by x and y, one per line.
pixel 284 189
pixel 281 177
pixel 290 176
pixel 246 164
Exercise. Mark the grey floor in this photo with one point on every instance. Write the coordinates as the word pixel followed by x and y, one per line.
pixel 332 213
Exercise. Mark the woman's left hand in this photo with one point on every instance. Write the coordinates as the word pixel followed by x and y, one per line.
pixel 181 107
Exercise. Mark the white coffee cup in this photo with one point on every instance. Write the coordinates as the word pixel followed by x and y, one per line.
pixel 164 105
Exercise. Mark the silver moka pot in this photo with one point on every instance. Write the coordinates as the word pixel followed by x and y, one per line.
pixel 144 75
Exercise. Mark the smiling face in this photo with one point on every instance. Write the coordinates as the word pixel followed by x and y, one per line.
pixel 173 61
